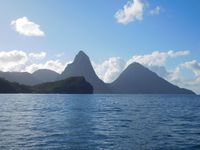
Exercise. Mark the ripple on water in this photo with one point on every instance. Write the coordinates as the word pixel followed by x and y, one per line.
pixel 99 122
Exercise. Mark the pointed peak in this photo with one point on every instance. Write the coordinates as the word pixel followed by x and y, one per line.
pixel 81 53
pixel 81 56
pixel 136 64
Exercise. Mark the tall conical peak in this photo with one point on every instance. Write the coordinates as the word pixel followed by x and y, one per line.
pixel 136 65
pixel 81 57
pixel 81 54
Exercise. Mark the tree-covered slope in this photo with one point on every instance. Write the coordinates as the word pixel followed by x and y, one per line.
pixel 72 85
pixel 12 87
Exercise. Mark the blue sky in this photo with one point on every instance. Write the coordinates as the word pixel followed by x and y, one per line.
pixel 92 26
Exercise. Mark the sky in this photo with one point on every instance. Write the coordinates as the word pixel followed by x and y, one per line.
pixel 162 35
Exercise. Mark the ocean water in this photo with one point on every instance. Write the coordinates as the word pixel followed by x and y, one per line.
pixel 99 122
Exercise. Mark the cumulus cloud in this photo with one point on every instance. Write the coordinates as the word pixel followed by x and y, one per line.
pixel 26 27
pixel 13 60
pixel 131 11
pixel 155 11
pixel 20 61
pixel 156 58
pixel 40 55
pixel 55 65
pixel 110 69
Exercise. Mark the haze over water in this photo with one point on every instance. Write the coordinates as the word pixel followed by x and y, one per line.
pixel 100 122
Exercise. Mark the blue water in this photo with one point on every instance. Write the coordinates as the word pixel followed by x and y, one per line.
pixel 105 122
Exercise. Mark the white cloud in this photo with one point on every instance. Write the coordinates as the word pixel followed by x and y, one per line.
pixel 156 58
pixel 174 75
pixel 13 60
pixel 193 65
pixel 110 69
pixel 177 77
pixel 155 11
pixel 192 82
pixel 20 61
pixel 40 55
pixel 131 11
pixel 26 27
pixel 55 65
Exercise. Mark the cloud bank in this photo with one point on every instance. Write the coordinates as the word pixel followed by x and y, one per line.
pixel 12 60
pixel 110 69
pixel 156 58
pixel 40 55
pixel 55 65
pixel 20 61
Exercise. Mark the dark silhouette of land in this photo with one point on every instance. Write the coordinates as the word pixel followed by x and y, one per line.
pixel 80 77
pixel 45 75
pixel 9 87
pixel 138 79
pixel 72 85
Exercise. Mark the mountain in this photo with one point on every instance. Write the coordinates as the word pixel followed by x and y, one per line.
pixel 81 66
pixel 45 75
pixel 19 77
pixel 136 79
pixel 72 85
pixel 39 76
pixel 9 87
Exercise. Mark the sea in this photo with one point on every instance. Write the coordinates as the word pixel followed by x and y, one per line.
pixel 99 122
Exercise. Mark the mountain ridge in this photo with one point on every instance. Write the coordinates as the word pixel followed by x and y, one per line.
pixel 135 79
pixel 45 75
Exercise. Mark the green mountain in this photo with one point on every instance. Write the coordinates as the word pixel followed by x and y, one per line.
pixel 12 87
pixel 72 85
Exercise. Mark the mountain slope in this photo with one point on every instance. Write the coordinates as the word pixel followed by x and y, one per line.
pixel 9 87
pixel 45 75
pixel 73 85
pixel 19 77
pixel 82 66
pixel 136 79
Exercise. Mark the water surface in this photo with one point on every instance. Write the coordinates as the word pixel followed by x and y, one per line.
pixel 102 122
